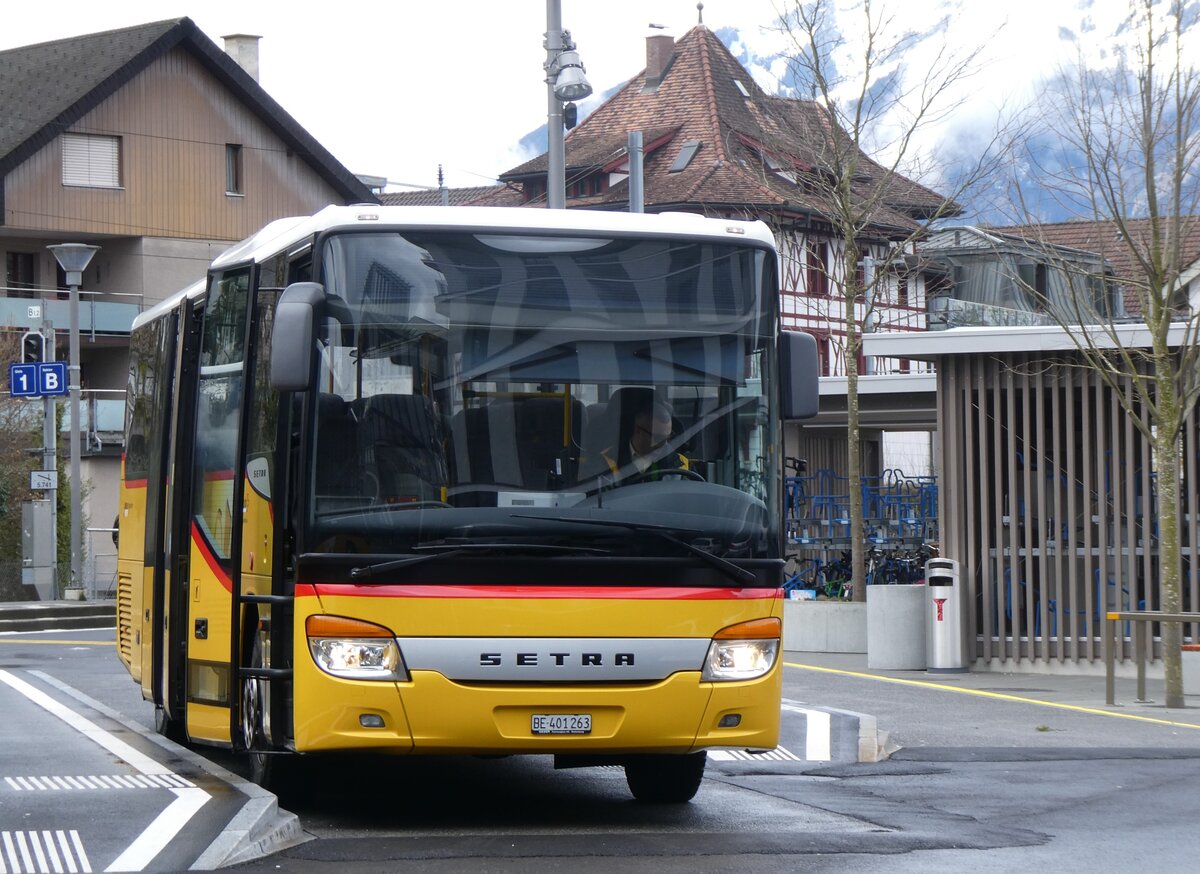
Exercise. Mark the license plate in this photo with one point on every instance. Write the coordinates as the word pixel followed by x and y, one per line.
pixel 561 723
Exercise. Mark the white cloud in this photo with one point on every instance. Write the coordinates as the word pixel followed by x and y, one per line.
pixel 395 89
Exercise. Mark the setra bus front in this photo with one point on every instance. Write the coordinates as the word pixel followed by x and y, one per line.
pixel 539 494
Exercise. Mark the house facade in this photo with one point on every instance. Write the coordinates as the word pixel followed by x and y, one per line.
pixel 157 146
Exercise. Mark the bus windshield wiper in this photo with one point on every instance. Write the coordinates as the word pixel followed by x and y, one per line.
pixel 739 574
pixel 385 566
pixel 428 552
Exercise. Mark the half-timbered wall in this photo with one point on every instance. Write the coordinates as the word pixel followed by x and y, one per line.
pixel 816 306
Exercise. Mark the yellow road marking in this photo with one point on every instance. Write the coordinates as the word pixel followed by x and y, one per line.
pixel 59 642
pixel 1000 696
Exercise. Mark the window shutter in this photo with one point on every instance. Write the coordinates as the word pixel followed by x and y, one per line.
pixel 91 160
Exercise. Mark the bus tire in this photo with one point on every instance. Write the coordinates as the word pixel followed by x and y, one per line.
pixel 267 769
pixel 665 779
pixel 171 729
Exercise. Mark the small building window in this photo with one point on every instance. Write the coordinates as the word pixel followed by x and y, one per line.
pixel 91 160
pixel 20 274
pixel 233 169
pixel 685 156
pixel 817 269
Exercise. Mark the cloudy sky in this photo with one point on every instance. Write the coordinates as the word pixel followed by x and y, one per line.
pixel 394 89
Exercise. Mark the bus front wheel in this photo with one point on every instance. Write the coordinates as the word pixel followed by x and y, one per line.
pixel 266 769
pixel 665 779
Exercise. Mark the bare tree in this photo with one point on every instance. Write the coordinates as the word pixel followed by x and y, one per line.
pixel 18 421
pixel 866 147
pixel 1127 144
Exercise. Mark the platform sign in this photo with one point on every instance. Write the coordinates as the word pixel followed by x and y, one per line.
pixel 52 378
pixel 23 380
pixel 46 378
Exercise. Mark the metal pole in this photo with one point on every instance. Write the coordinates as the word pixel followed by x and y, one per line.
pixel 556 179
pixel 637 195
pixel 1110 628
pixel 76 577
pixel 50 454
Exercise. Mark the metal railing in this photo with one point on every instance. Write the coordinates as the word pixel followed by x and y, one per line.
pixel 100 565
pixel 1139 635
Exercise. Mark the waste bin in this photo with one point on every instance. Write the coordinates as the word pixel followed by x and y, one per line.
pixel 943 617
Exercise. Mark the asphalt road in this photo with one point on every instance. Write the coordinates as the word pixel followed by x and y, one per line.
pixel 1002 781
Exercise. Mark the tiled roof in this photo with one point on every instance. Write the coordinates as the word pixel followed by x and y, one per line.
pixel 708 97
pixel 433 196
pixel 1103 238
pixel 45 88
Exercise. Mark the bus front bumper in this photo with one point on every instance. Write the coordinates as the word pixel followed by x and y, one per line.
pixel 430 714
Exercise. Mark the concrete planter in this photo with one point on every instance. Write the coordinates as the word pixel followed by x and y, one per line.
pixel 73 594
pixel 896 627
pixel 824 626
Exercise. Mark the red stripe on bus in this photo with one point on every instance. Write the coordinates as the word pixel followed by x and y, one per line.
pixel 627 593
pixel 217 475
pixel 214 565
pixel 136 483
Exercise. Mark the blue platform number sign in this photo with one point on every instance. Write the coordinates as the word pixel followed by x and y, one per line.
pixel 37 380
pixel 52 378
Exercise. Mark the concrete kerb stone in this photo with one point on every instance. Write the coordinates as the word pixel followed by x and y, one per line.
pixel 260 828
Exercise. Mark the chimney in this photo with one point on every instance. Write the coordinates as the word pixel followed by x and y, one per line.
pixel 660 51
pixel 243 48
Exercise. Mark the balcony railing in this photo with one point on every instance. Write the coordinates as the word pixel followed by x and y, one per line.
pixel 98 313
pixel 946 312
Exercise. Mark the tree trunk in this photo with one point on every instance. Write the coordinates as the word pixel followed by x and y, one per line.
pixel 1167 456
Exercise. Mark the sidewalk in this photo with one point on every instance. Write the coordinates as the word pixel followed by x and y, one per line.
pixel 995 708
pixel 17 616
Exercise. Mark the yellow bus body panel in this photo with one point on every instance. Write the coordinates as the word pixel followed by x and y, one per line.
pixel 431 714
pixel 133 597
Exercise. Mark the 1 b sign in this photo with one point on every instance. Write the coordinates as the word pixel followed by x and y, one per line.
pixel 37 380
pixel 23 380
pixel 52 378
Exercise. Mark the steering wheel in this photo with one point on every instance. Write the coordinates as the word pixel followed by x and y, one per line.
pixel 652 475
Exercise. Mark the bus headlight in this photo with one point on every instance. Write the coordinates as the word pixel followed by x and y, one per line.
pixel 745 651
pixel 353 649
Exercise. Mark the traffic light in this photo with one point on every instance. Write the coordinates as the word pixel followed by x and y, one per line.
pixel 33 348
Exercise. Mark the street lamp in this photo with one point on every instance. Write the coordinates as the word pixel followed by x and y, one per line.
pixel 74 258
pixel 565 81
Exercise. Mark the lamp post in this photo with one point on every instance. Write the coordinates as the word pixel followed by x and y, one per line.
pixel 565 81
pixel 74 258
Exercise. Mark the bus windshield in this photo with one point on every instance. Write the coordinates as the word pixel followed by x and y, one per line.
pixel 512 391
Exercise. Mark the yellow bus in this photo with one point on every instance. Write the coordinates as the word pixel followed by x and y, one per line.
pixel 465 481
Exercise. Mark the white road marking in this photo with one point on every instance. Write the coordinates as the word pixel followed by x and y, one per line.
pixel 166 825
pixel 159 833
pixel 35 852
pixel 118 781
pixel 779 754
pixel 137 760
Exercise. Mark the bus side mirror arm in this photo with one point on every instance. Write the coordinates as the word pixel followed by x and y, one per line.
pixel 799 368
pixel 293 336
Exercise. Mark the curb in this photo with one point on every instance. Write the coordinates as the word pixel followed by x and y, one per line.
pixel 259 829
pixel 57 615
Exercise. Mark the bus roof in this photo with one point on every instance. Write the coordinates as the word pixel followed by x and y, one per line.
pixel 282 233
pixel 165 306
